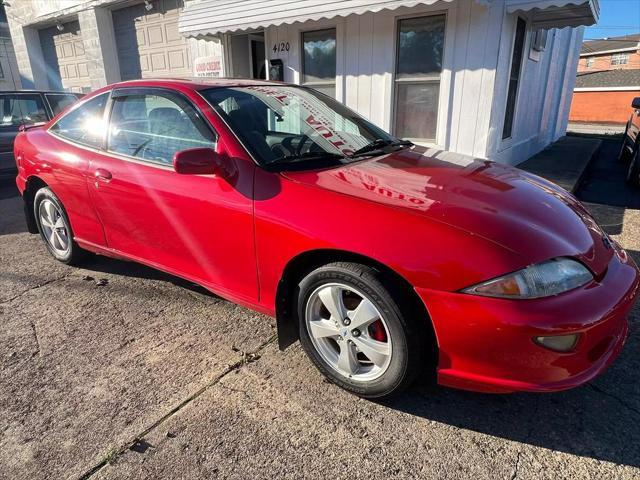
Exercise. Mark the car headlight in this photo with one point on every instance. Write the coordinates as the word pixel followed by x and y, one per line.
pixel 540 280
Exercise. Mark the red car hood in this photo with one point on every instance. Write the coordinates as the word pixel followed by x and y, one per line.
pixel 519 211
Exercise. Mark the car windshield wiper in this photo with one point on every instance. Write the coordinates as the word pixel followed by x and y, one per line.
pixel 378 144
pixel 306 156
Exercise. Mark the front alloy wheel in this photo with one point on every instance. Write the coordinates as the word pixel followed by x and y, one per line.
pixel 354 331
pixel 348 332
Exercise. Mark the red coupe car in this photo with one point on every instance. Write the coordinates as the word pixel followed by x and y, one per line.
pixel 385 259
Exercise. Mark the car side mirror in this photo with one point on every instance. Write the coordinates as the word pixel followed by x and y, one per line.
pixel 636 103
pixel 197 161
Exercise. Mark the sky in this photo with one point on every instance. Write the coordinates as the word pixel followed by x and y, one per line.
pixel 617 17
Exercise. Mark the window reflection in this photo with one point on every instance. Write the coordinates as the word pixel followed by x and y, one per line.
pixel 319 60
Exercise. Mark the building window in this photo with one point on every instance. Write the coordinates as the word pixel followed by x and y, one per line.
pixel 589 62
pixel 319 60
pixel 420 46
pixel 619 59
pixel 1 70
pixel 514 77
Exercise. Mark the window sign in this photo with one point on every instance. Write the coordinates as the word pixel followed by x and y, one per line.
pixel 208 66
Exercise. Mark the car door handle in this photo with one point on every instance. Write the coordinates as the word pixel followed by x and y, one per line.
pixel 102 174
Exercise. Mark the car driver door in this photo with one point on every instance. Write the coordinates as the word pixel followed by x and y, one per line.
pixel 196 226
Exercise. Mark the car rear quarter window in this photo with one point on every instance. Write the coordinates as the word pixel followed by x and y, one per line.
pixel 59 101
pixel 21 109
pixel 154 127
pixel 84 124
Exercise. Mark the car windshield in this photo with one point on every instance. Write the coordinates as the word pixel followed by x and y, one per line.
pixel 288 127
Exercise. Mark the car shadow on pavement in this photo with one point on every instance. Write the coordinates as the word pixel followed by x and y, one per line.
pixel 604 181
pixel 100 264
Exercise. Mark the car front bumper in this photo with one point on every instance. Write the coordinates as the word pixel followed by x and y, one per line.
pixel 486 344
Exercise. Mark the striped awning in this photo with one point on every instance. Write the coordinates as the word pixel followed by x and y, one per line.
pixel 212 17
pixel 557 13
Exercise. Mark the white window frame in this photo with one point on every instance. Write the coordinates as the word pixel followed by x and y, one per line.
pixel 620 58
pixel 589 61
pixel 444 76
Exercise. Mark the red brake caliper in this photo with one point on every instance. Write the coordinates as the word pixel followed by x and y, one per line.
pixel 376 330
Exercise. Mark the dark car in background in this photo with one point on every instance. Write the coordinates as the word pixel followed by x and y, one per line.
pixel 24 108
pixel 630 148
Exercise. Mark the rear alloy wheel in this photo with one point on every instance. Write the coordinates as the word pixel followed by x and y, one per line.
pixel 55 228
pixel 633 173
pixel 354 331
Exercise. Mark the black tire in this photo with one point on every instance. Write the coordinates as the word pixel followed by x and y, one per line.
pixel 74 254
pixel 623 154
pixel 407 335
pixel 633 172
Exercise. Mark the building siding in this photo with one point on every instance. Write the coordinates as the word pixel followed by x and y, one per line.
pixel 476 64
pixel 10 79
pixel 478 42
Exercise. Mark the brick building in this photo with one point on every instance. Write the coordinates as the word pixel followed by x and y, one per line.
pixel 604 97
pixel 608 80
pixel 610 54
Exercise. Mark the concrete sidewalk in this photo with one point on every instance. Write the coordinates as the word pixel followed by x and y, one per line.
pixel 596 128
pixel 564 162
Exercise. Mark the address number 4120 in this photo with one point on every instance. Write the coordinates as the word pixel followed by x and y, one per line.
pixel 281 47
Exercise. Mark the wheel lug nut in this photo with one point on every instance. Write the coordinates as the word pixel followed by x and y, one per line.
pixel 346 321
pixel 355 332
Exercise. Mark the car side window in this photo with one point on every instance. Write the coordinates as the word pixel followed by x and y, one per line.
pixel 154 127
pixel 60 101
pixel 84 124
pixel 21 109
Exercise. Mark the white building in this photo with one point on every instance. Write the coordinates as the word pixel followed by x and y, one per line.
pixel 489 78
pixel 9 77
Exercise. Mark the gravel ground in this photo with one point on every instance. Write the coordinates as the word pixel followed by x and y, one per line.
pixel 118 371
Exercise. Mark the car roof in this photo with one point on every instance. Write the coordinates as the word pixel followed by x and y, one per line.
pixel 195 83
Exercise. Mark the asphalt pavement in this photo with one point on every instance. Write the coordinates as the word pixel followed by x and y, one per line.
pixel 115 370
